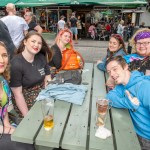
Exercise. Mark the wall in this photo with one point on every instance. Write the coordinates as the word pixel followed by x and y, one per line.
pixel 145 17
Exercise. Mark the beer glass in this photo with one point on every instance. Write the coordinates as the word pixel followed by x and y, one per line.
pixel 102 106
pixel 47 106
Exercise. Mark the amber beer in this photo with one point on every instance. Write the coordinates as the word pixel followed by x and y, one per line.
pixel 102 109
pixel 102 106
pixel 48 122
pixel 48 113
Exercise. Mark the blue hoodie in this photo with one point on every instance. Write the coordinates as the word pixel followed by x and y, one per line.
pixel 102 65
pixel 138 86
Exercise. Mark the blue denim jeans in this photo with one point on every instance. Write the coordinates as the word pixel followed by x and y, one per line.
pixel 145 143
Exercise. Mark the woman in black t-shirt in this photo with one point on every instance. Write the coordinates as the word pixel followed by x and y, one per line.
pixel 29 71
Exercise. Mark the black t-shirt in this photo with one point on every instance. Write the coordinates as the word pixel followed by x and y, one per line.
pixel 73 21
pixel 32 25
pixel 27 74
pixel 57 57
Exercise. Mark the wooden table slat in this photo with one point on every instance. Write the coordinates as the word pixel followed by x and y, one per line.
pixel 52 138
pixel 28 127
pixel 77 128
pixel 125 135
pixel 99 90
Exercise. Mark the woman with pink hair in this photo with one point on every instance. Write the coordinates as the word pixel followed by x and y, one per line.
pixel 62 41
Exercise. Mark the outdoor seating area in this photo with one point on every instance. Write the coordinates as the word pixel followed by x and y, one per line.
pixel 75 126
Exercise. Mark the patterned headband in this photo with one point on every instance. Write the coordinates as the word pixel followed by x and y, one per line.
pixel 142 35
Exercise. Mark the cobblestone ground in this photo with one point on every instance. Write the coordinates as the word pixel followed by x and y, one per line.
pixel 92 54
pixel 91 50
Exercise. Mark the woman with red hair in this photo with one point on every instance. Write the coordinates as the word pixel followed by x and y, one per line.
pixel 62 41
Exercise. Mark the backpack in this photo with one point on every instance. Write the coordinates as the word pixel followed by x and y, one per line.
pixel 69 76
pixel 71 60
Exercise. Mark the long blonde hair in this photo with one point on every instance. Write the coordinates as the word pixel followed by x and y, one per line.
pixel 6 73
pixel 133 41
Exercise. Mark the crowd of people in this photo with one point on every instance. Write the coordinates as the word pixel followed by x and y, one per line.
pixel 33 62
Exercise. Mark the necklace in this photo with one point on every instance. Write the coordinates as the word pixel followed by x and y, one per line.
pixel 30 60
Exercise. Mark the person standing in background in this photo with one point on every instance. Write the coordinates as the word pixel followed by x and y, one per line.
pixel 5 37
pixel 120 28
pixel 16 25
pixel 79 26
pixel 33 26
pixel 61 23
pixel 142 25
pixel 73 25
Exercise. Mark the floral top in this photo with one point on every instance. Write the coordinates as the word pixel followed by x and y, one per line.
pixel 6 98
pixel 140 65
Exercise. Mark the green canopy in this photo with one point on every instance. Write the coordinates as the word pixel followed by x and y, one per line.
pixel 5 2
pixel 115 3
pixel 34 3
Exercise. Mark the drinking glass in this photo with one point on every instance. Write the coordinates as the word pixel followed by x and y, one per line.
pixel 47 106
pixel 102 106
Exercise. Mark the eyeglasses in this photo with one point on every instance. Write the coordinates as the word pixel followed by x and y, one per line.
pixel 144 44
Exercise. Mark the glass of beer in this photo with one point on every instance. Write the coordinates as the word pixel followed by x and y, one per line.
pixel 47 106
pixel 102 106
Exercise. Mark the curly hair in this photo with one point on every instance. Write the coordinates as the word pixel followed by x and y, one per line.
pixel 45 49
pixel 133 41
pixel 6 73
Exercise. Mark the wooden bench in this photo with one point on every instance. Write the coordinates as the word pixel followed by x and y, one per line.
pixel 75 126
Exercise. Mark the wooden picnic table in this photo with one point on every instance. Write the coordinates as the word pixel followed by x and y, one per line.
pixel 75 126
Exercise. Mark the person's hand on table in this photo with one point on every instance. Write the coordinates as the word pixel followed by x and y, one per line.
pixel 98 62
pixel 47 80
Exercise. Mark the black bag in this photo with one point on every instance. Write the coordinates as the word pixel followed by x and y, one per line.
pixel 7 144
pixel 69 76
